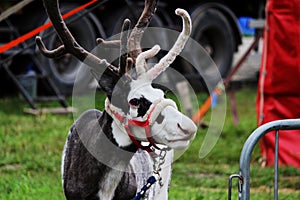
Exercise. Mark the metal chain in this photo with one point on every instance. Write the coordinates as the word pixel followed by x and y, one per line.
pixel 159 160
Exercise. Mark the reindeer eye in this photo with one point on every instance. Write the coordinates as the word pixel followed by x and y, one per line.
pixel 134 102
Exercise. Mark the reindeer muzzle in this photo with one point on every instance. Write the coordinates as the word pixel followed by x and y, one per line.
pixel 147 121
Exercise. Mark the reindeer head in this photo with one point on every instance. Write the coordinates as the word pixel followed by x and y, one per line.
pixel 140 111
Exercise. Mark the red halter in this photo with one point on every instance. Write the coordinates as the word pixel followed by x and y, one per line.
pixel 127 123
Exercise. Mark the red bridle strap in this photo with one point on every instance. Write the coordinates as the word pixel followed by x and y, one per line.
pixel 146 125
pixel 127 123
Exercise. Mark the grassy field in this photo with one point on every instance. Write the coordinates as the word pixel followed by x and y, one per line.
pixel 31 146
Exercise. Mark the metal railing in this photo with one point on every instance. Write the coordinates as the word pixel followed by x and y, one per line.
pixel 245 157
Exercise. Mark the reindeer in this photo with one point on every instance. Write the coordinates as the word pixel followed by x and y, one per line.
pixel 104 156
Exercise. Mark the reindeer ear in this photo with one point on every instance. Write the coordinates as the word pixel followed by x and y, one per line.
pixel 106 81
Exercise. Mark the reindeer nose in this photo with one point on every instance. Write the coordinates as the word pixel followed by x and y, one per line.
pixel 188 131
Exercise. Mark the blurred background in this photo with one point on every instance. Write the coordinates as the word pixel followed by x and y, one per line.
pixel 221 27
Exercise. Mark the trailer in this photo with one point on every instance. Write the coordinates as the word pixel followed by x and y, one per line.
pixel 215 27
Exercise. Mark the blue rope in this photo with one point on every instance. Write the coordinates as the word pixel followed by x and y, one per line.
pixel 151 180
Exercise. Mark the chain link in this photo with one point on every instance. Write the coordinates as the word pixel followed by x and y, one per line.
pixel 159 160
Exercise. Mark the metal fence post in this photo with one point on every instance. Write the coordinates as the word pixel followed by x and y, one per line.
pixel 245 157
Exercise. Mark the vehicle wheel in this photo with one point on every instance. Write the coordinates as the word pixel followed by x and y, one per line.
pixel 212 30
pixel 133 17
pixel 63 70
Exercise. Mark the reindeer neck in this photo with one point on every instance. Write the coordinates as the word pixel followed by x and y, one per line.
pixel 116 133
pixel 117 156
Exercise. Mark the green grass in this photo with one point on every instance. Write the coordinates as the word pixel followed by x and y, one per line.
pixel 30 152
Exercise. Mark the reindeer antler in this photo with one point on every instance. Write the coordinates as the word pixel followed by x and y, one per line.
pixel 134 43
pixel 123 62
pixel 171 55
pixel 70 45
pixel 131 44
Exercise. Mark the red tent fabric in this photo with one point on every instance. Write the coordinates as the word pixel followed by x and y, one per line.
pixel 279 83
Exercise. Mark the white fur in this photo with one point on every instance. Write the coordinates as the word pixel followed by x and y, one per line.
pixel 159 107
pixel 168 132
pixel 112 180
pixel 141 59
pixel 142 163
pixel 165 62
pixel 120 134
pixel 63 158
pixel 142 87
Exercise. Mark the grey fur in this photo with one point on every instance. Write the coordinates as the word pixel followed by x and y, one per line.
pixel 84 175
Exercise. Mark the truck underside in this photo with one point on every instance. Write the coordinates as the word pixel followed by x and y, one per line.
pixel 215 27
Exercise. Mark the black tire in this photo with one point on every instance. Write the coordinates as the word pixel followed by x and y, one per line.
pixel 63 70
pixel 125 13
pixel 212 30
